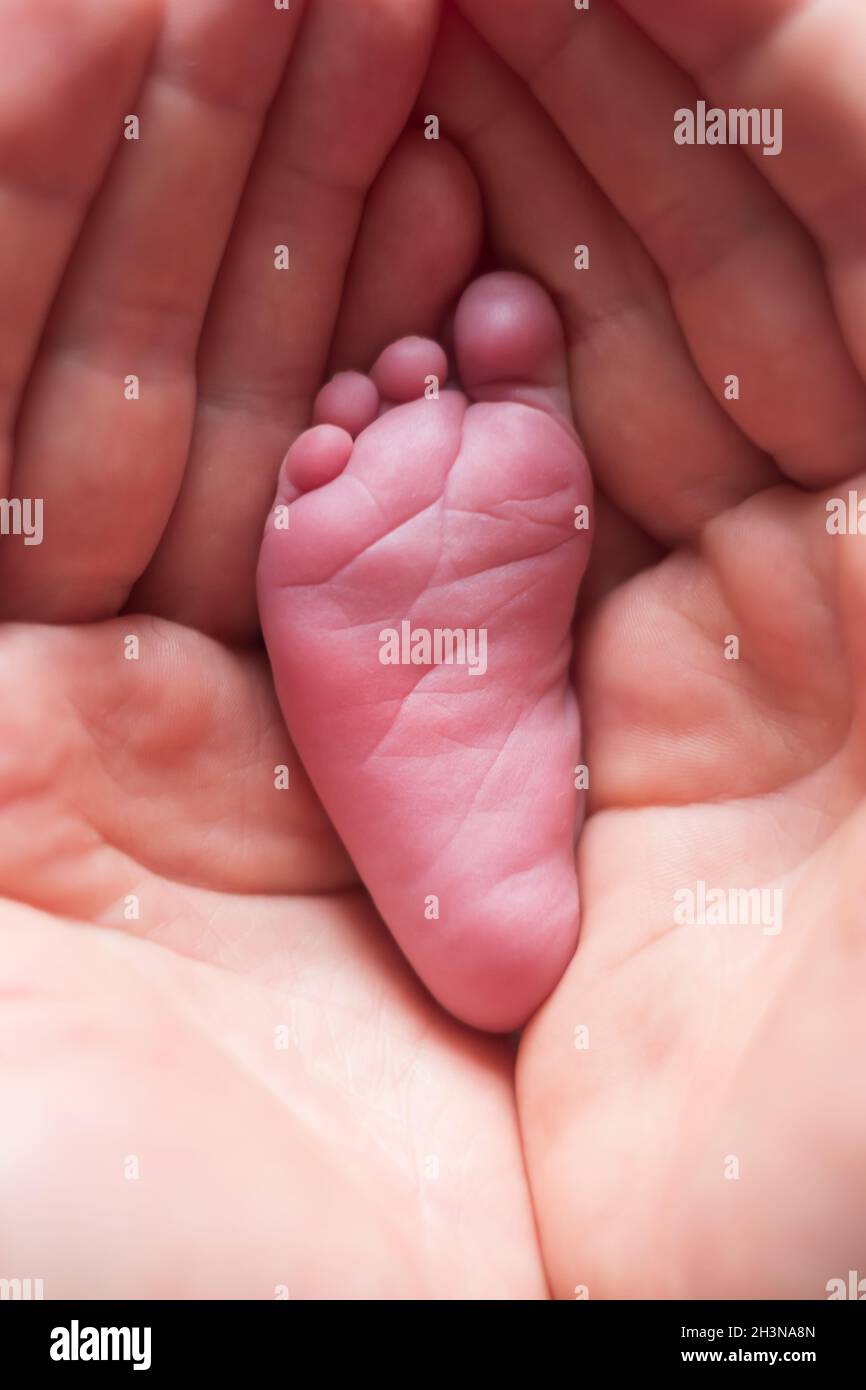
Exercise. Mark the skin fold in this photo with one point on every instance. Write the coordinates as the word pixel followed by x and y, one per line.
pixel 243 1089
pixel 454 779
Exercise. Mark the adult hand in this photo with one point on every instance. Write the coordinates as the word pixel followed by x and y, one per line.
pixel 219 1078
pixel 690 1102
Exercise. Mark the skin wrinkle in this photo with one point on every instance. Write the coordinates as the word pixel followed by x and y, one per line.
pixel 328 944
pixel 759 1030
pixel 479 791
pixel 480 480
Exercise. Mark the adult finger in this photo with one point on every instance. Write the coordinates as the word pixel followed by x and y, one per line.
pixel 344 102
pixel 69 69
pixel 805 59
pixel 745 279
pixel 104 433
pixel 418 245
pixel 661 448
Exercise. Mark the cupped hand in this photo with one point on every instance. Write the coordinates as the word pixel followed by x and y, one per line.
pixel 218 1078
pixel 690 1097
pixel 224 1081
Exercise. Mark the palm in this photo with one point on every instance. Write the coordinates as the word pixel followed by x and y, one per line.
pixel 713 1045
pixel 712 1041
pixel 209 1039
pixel 238 1024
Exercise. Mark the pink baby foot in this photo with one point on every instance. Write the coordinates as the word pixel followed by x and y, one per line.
pixel 417 586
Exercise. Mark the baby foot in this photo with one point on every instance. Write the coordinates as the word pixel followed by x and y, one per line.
pixel 417 586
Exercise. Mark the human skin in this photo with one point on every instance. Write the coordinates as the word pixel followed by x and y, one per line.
pixel 244 1091
pixel 452 786
pixel 705 1043
pixel 379 1153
